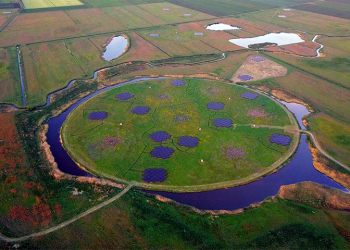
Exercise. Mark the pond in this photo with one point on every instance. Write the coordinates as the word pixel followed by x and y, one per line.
pixel 274 38
pixel 115 48
pixel 221 26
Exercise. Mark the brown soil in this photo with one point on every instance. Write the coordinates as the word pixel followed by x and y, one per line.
pixel 259 70
pixel 322 165
pixel 287 97
pixel 316 195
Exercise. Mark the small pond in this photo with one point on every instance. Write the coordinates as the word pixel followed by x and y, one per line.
pixel 221 26
pixel 275 38
pixel 115 48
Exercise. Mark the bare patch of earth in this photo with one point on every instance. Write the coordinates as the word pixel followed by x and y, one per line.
pixel 316 195
pixel 259 70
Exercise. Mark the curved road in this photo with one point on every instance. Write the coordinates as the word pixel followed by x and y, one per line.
pixel 324 152
pixel 66 223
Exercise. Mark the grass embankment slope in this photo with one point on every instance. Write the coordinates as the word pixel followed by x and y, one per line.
pixel 123 137
pixel 137 221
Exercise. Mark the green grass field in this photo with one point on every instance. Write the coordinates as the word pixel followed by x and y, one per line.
pixel 301 20
pixel 37 4
pixel 333 135
pixel 61 62
pixel 180 111
pixel 139 222
pixel 10 84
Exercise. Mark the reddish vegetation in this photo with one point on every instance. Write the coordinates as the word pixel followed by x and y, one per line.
pixel 300 49
pixel 142 50
pixel 233 153
pixel 11 153
pixel 257 112
pixel 322 165
pixel 316 195
pixel 20 213
pixel 198 26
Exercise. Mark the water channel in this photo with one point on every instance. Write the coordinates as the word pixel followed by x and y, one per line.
pixel 21 77
pixel 299 169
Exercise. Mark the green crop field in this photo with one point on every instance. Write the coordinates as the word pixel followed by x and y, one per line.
pixel 301 20
pixel 120 145
pixel 333 135
pixel 61 62
pixel 10 84
pixel 37 4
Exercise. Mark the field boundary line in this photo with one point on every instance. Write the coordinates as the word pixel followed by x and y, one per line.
pixel 305 71
pixel 70 221
pixel 153 44
pixel 136 15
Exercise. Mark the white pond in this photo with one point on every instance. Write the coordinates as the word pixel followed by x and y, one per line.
pixel 115 48
pixel 222 26
pixel 277 38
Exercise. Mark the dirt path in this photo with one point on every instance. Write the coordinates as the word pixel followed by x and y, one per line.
pixel 324 152
pixel 66 223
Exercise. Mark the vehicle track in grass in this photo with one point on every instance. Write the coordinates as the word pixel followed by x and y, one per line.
pixel 68 222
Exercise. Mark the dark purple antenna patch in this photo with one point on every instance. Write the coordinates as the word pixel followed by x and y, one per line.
pixel 125 96
pixel 162 152
pixel 178 83
pixel 215 105
pixel 140 110
pixel 279 139
pixel 223 123
pixel 98 115
pixel 188 141
pixel 245 77
pixel 258 59
pixel 154 175
pixel 159 136
pixel 250 95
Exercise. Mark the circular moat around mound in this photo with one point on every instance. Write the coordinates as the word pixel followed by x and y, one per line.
pixel 205 133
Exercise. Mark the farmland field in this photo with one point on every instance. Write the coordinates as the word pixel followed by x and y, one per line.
pixel 333 135
pixel 9 77
pixel 301 20
pixel 49 71
pixel 329 11
pixel 179 111
pixel 37 4
pixel 223 8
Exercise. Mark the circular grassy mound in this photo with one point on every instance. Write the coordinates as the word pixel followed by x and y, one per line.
pixel 197 132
